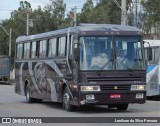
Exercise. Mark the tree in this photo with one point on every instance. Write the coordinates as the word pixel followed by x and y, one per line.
pixel 152 18
pixel 24 4
pixel 42 21
pixel 57 9
pixel 49 18
pixel 87 14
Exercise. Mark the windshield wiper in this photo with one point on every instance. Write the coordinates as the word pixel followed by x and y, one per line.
pixel 127 68
pixel 106 64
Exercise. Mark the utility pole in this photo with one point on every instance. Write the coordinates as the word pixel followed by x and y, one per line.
pixel 10 41
pixel 27 26
pixel 124 12
pixel 75 16
pixel 27 10
pixel 10 37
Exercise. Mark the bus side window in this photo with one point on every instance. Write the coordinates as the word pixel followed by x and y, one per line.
pixel 27 50
pixel 33 50
pixel 62 46
pixel 43 48
pixel 52 47
pixel 19 51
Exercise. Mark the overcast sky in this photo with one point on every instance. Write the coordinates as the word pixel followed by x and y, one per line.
pixel 7 6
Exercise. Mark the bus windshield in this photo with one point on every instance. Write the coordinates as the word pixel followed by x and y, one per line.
pixel 111 53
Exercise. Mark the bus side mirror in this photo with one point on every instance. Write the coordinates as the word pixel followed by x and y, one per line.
pixel 149 52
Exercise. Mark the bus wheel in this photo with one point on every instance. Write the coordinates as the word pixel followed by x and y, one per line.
pixel 66 101
pixel 122 107
pixel 28 97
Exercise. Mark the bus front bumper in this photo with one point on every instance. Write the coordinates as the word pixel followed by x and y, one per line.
pixel 112 98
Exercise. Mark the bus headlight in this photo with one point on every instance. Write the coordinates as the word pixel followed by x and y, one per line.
pixel 138 87
pixel 90 88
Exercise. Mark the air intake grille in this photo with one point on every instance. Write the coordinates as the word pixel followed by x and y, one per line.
pixel 102 79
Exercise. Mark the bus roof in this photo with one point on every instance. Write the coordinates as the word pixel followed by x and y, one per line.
pixel 151 43
pixel 87 29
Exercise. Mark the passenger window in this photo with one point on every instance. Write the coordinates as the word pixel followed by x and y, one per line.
pixel 33 50
pixel 52 48
pixel 62 46
pixel 19 51
pixel 43 48
pixel 26 50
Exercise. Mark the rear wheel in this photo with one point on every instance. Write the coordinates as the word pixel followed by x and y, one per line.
pixel 66 101
pixel 122 107
pixel 28 97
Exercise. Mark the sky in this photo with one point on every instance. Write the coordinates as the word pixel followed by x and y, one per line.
pixel 7 6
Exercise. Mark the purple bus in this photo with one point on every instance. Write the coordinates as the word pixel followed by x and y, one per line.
pixel 99 64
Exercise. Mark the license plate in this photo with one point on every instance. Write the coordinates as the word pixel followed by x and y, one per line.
pixel 115 96
pixel 139 96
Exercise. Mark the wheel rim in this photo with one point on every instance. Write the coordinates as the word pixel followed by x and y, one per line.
pixel 27 95
pixel 66 100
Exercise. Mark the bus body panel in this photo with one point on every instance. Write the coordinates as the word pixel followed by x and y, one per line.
pixel 117 83
pixel 43 77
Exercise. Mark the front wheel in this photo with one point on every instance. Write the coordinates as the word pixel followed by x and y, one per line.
pixel 122 107
pixel 66 101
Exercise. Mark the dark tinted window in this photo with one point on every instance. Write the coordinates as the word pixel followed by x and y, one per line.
pixel 62 46
pixel 33 50
pixel 19 51
pixel 52 48
pixel 26 50
pixel 43 48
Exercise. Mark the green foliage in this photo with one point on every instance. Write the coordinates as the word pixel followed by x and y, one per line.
pixel 47 19
pixel 87 14
pixel 105 12
pixel 111 14
pixel 152 18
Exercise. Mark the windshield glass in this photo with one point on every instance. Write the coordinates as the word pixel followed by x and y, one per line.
pixel 99 53
pixel 128 53
pixel 95 52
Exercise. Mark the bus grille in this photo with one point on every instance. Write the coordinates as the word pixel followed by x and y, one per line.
pixel 115 87
pixel 102 79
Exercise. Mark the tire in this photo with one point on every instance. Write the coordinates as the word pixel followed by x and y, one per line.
pixel 66 101
pixel 122 107
pixel 28 97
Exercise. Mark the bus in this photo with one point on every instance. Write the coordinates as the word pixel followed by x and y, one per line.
pixel 78 66
pixel 4 69
pixel 153 68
